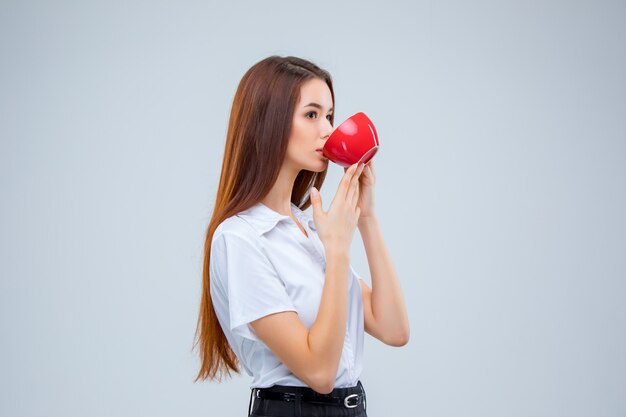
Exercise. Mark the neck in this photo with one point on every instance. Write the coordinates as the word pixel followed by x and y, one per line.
pixel 279 197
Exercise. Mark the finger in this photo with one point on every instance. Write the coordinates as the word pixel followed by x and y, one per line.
pixel 354 183
pixel 347 177
pixel 316 201
pixel 355 199
pixel 368 172
pixel 344 183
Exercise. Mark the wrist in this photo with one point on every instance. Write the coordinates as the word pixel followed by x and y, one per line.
pixel 367 221
pixel 339 252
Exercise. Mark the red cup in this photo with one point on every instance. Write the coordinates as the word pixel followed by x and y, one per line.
pixel 354 140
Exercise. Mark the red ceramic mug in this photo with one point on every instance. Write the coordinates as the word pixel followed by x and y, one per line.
pixel 354 140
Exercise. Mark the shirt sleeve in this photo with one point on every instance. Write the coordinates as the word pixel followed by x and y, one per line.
pixel 251 284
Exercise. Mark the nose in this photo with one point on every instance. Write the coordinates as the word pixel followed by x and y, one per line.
pixel 326 132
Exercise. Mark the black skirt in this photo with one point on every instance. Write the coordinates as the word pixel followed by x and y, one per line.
pixel 291 401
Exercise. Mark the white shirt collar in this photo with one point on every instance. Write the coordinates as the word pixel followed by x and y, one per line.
pixel 264 219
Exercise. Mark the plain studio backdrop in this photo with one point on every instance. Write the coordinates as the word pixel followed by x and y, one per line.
pixel 501 191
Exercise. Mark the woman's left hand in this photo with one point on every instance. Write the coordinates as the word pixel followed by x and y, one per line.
pixel 366 191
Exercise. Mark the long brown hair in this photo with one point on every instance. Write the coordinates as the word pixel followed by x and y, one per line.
pixel 256 143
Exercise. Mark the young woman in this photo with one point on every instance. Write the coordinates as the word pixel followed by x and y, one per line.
pixel 279 294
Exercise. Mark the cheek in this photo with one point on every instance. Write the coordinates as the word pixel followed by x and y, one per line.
pixel 297 145
pixel 300 135
pixel 298 129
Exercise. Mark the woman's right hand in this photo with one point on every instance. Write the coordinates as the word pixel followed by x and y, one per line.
pixel 336 226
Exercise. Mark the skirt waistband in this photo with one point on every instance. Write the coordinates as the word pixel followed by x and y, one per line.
pixel 348 397
pixel 358 388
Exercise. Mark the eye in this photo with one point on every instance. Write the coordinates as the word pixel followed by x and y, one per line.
pixel 329 117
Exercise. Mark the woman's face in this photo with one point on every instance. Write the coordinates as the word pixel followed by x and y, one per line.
pixel 310 127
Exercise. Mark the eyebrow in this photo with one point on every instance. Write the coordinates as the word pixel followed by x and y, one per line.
pixel 318 106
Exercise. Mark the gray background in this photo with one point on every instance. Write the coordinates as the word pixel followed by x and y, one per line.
pixel 501 193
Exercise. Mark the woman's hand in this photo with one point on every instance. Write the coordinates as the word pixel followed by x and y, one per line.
pixel 366 191
pixel 336 226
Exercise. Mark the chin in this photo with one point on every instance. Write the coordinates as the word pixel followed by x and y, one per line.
pixel 318 167
pixel 324 166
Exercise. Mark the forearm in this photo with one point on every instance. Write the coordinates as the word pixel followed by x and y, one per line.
pixel 326 336
pixel 388 307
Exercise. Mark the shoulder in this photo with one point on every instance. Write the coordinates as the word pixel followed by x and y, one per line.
pixel 236 229
pixel 234 246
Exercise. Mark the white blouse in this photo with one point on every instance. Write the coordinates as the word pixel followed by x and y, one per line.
pixel 261 263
